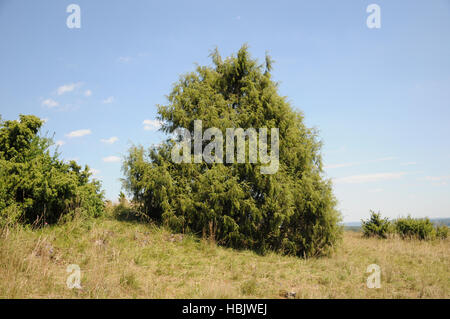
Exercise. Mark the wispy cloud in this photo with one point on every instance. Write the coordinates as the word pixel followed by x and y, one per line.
pixel 341 165
pixel 337 150
pixel 67 88
pixel 408 163
pixel 60 143
pixel 79 133
pixel 110 140
pixel 438 180
pixel 383 159
pixel 94 171
pixel 50 103
pixel 108 100
pixel 124 59
pixel 358 179
pixel 152 125
pixel 87 93
pixel 349 164
pixel 111 159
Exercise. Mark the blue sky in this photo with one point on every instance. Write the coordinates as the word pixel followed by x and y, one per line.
pixel 379 97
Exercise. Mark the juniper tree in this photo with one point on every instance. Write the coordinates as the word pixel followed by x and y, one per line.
pixel 292 211
pixel 36 185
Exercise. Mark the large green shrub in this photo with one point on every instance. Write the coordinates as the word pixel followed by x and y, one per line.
pixel 420 228
pixel 35 186
pixel 376 226
pixel 291 211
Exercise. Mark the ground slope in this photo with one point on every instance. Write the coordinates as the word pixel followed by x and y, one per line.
pixel 132 260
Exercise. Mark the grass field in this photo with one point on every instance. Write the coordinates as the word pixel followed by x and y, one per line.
pixel 133 260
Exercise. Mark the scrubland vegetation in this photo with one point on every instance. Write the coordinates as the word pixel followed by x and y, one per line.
pixel 202 230
pixel 405 228
pixel 133 259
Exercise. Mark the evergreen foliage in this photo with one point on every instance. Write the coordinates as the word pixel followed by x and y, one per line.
pixel 419 228
pixel 35 186
pixel 291 211
pixel 376 226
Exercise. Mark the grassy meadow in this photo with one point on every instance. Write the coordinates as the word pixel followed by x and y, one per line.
pixel 121 259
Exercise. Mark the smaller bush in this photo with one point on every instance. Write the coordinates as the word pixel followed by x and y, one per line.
pixel 415 228
pixel 125 211
pixel 376 226
pixel 442 231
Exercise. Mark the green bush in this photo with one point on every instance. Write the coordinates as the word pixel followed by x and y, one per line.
pixel 442 231
pixel 415 228
pixel 292 211
pixel 376 226
pixel 125 211
pixel 36 187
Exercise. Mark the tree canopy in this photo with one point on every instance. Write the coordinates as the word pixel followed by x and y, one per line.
pixel 292 211
pixel 36 186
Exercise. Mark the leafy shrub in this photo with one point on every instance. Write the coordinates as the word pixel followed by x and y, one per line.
pixel 415 228
pixel 292 211
pixel 125 211
pixel 442 231
pixel 376 226
pixel 35 186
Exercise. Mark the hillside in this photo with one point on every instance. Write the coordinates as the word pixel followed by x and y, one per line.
pixel 132 260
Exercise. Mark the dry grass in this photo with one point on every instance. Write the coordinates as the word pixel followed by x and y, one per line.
pixel 132 260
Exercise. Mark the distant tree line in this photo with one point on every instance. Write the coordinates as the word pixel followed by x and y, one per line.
pixel 406 228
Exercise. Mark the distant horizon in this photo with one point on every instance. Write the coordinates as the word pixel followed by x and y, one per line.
pixel 356 223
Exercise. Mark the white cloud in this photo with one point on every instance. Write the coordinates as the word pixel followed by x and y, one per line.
pixel 383 159
pixel 341 165
pixel 108 100
pixel 110 140
pixel 111 159
pixel 68 88
pixel 50 103
pixel 87 93
pixel 79 133
pixel 124 59
pixel 358 179
pixel 152 125
pixel 408 163
pixel 438 180
pixel 359 163
pixel 94 171
pixel 60 143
